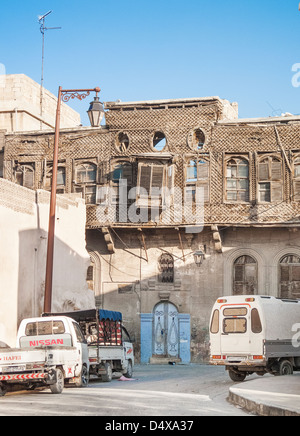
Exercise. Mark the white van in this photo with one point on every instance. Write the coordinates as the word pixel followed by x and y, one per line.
pixel 255 334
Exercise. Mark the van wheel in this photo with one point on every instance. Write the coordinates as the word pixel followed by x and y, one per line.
pixel 107 377
pixel 237 376
pixel 58 386
pixel 285 368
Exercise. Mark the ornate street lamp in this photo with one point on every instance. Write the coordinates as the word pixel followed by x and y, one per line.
pixel 96 111
pixel 63 95
pixel 199 257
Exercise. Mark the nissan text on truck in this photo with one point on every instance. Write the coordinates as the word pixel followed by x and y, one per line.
pixel 49 352
pixel 255 334
pixel 110 347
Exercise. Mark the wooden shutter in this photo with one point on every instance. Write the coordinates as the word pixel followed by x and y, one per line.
pixel 276 170
pixel 157 180
pixel 276 193
pixel 296 191
pixel 263 171
pixel 28 178
pixel 145 177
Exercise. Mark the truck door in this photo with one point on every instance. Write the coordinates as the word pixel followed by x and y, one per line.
pixel 235 330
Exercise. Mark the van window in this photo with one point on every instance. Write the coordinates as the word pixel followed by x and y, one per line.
pixel 255 321
pixel 214 328
pixel 235 325
pixel 235 311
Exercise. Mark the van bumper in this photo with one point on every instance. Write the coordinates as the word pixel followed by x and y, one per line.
pixel 239 361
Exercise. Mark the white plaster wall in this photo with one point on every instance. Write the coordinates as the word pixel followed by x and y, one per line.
pixel 23 247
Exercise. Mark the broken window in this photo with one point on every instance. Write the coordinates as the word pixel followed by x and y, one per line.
pixel 197 176
pixel 166 268
pixel 24 176
pixel 122 142
pixel 289 286
pixel 237 180
pixel 159 141
pixel 61 179
pixel 270 182
pixel 245 276
pixel 196 139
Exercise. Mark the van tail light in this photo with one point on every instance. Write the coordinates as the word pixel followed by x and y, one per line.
pixel 250 300
pixel 221 301
pixel 258 357
pixel 217 357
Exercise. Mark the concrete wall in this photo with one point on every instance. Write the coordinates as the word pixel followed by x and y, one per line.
pixel 23 243
pixel 20 106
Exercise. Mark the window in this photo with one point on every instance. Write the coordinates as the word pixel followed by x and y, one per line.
pixel 24 176
pixel 166 268
pixel 289 286
pixel 214 328
pixel 235 325
pixel 197 176
pixel 245 276
pixel 86 178
pixel 1 163
pixel 237 180
pixel 270 183
pixel 196 139
pixel 79 334
pixel 150 183
pixel 255 321
pixel 159 141
pixel 296 193
pixel 61 179
pixel 44 328
pixel 122 142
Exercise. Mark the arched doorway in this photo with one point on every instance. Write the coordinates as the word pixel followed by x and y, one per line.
pixel 165 330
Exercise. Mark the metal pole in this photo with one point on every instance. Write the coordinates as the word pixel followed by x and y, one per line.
pixel 51 230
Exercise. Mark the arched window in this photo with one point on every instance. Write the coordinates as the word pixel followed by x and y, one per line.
pixel 159 141
pixel 245 276
pixel 166 268
pixel 270 181
pixel 289 286
pixel 237 180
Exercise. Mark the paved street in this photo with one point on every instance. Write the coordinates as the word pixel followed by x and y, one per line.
pixel 193 390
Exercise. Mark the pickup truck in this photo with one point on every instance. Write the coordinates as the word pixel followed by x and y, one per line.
pixel 110 348
pixel 49 352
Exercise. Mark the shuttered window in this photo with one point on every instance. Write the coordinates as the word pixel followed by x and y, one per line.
pixel 270 180
pixel 24 176
pixel 245 276
pixel 152 179
pixel 289 286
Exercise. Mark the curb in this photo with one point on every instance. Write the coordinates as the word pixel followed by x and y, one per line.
pixel 258 408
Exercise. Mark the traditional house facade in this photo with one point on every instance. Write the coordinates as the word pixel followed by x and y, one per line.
pixel 161 180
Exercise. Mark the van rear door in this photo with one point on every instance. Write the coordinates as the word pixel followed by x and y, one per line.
pixel 235 329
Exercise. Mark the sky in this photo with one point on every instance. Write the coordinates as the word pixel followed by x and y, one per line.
pixel 136 50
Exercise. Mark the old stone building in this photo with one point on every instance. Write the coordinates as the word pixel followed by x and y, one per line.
pixel 162 180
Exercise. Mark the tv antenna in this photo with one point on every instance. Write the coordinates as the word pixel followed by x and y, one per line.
pixel 43 29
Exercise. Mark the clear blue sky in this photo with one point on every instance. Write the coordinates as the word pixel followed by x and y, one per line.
pixel 142 50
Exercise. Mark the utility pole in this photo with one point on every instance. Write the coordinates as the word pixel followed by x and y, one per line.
pixel 43 29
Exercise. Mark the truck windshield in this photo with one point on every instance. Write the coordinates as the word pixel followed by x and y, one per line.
pixel 234 325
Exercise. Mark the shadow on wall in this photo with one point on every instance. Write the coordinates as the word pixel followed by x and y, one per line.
pixel 70 290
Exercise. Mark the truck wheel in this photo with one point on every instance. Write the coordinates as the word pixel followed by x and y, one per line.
pixel 107 377
pixel 3 390
pixel 129 371
pixel 84 378
pixel 58 386
pixel 237 377
pixel 285 368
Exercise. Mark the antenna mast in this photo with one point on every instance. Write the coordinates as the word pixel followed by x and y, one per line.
pixel 43 29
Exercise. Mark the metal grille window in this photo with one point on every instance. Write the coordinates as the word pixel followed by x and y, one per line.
pixel 237 180
pixel 270 182
pixel 245 276
pixel 289 286
pixel 166 268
